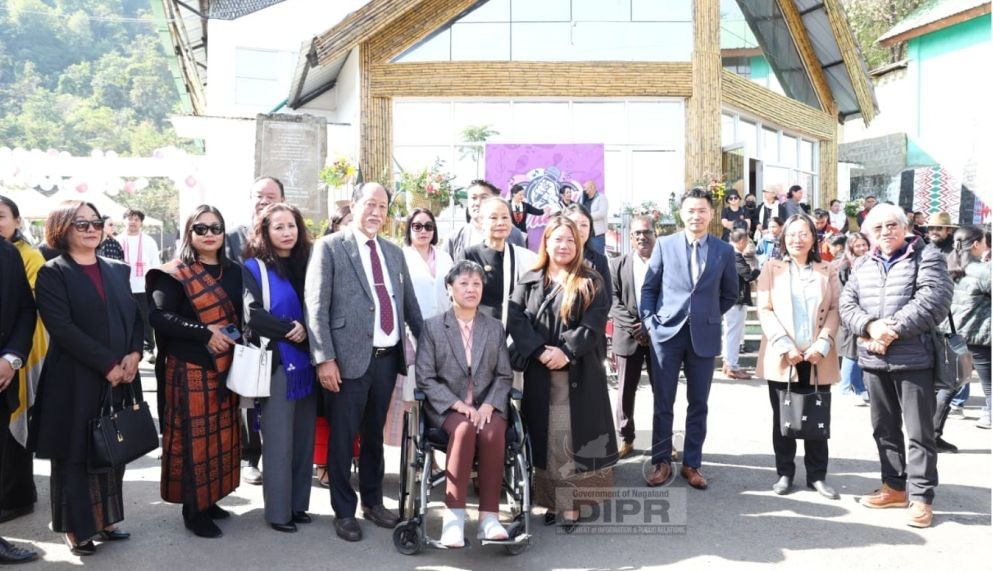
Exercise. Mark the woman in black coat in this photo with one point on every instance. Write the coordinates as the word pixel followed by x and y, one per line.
pixel 556 319
pixel 96 338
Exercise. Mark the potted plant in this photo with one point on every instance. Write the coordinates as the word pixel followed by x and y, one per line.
pixel 429 188
pixel 338 175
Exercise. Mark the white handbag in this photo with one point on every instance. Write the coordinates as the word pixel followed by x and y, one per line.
pixel 251 369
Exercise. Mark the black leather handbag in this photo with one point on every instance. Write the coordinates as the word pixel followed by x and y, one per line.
pixel 805 416
pixel 120 436
pixel 952 360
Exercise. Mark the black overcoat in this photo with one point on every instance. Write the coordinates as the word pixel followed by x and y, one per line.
pixel 88 336
pixel 594 440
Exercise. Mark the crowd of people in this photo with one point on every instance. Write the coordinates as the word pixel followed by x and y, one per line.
pixel 355 322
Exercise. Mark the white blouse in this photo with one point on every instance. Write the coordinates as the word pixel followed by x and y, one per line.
pixel 432 298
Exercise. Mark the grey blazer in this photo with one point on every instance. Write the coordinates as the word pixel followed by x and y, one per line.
pixel 443 374
pixel 340 304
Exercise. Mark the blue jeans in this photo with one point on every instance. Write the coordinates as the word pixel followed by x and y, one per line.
pixel 962 396
pixel 851 377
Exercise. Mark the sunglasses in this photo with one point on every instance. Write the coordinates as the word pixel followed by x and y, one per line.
pixel 84 225
pixel 417 227
pixel 201 229
pixel 734 198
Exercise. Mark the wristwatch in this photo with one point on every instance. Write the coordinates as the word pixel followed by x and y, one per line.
pixel 15 361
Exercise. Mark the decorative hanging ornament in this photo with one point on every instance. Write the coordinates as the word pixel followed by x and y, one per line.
pixel 191 181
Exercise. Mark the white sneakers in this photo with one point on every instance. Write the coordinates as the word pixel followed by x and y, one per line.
pixel 453 528
pixel 490 528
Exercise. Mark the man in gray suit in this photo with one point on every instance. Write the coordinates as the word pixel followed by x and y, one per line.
pixel 359 301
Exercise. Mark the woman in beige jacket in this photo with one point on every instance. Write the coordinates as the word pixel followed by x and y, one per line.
pixel 798 310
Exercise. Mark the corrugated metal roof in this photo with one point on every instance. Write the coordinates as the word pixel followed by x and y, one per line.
pixel 930 12
pixel 234 9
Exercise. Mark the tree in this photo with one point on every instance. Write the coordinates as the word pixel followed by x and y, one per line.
pixel 870 19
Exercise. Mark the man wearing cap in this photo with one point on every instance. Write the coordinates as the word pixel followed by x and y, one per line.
pixel 940 231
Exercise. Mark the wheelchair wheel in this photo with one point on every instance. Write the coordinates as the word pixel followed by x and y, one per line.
pixel 407 538
pixel 514 530
pixel 408 472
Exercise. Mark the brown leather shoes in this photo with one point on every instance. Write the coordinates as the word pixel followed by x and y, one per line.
pixel 693 477
pixel 885 497
pixel 625 450
pixel 919 515
pixel 660 475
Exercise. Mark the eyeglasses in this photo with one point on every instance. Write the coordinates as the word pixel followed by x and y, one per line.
pixel 84 225
pixel 201 229
pixel 418 227
pixel 641 232
pixel 734 198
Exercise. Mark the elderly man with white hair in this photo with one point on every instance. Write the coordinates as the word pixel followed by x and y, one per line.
pixel 895 297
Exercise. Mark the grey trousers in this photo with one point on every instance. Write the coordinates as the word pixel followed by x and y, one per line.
pixel 287 451
pixel 898 400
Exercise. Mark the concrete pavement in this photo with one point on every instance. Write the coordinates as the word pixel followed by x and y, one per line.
pixel 738 523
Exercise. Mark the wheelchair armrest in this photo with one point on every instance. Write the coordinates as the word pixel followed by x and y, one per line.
pixel 516 394
pixel 419 395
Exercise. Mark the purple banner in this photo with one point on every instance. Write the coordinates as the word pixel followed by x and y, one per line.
pixel 543 170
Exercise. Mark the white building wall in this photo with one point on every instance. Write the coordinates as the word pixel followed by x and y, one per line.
pixel 250 66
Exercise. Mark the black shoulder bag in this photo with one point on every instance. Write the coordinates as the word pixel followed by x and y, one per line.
pixel 804 416
pixel 118 437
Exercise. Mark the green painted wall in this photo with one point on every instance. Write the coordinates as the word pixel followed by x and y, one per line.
pixel 952 38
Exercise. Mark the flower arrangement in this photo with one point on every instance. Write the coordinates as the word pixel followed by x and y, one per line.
pixel 651 209
pixel 853 207
pixel 339 173
pixel 432 184
pixel 716 185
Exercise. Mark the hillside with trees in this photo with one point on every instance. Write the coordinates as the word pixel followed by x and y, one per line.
pixel 79 75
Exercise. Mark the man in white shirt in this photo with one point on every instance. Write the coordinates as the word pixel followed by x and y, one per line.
pixel 596 204
pixel 837 216
pixel 630 343
pixel 142 254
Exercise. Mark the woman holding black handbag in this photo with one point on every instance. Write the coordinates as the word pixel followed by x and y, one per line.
pixel 276 257
pixel 96 338
pixel 798 310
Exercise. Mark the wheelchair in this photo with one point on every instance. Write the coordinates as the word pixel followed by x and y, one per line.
pixel 417 449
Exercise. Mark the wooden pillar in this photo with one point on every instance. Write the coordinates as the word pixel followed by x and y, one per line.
pixel 376 133
pixel 828 165
pixel 703 108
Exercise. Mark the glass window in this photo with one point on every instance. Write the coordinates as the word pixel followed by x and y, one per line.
pixel 423 123
pixel 747 132
pixel 662 10
pixel 727 130
pixel 489 11
pixel 541 42
pixel 543 11
pixel 788 154
pixel 415 158
pixel 601 10
pixel 655 122
pixel 472 114
pixel 770 145
pixel 481 42
pixel 541 123
pixel 807 160
pixel 599 123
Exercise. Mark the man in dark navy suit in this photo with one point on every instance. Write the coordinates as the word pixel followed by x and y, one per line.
pixel 691 282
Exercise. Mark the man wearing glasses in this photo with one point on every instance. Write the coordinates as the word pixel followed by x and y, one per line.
pixel 630 341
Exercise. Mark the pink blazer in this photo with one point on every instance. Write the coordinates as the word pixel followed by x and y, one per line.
pixel 775 309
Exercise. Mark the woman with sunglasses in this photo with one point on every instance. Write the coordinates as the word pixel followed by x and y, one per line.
pixel 734 214
pixel 428 266
pixel 280 244
pixel 196 299
pixel 96 333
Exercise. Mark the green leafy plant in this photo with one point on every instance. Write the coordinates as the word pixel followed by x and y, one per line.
pixel 339 173
pixel 433 184
pixel 478 135
pixel 853 207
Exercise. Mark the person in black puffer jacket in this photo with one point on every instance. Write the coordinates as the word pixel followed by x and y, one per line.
pixel 894 299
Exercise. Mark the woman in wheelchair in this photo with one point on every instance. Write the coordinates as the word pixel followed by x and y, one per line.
pixel 464 370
